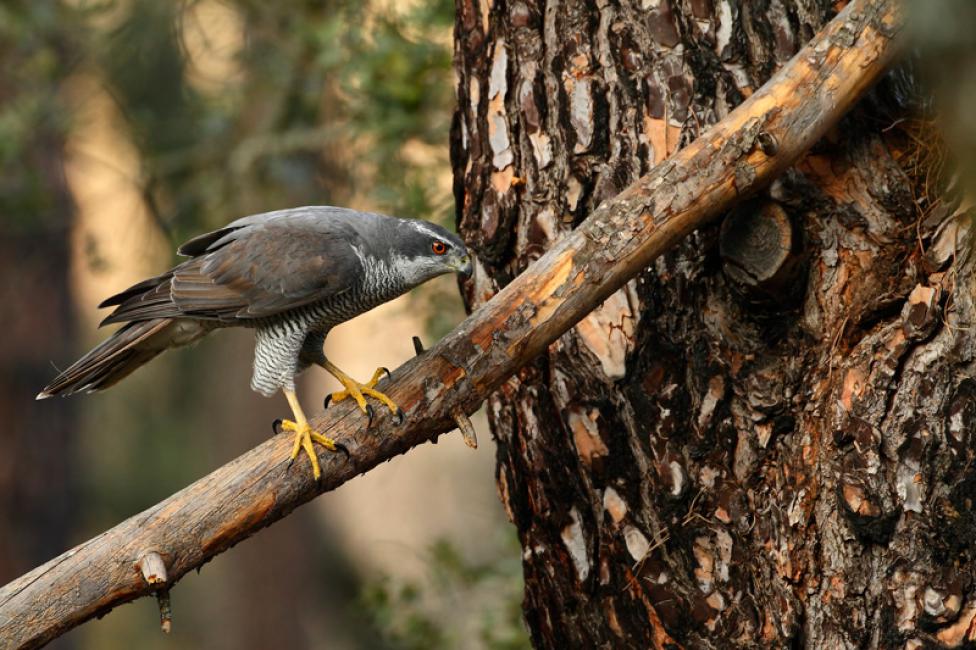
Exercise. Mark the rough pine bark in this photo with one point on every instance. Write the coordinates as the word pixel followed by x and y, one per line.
pixel 765 439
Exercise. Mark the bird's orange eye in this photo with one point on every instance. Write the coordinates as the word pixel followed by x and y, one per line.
pixel 438 247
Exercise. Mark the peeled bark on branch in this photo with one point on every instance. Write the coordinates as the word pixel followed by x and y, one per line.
pixel 616 242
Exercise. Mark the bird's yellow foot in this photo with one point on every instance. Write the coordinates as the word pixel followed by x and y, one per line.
pixel 358 392
pixel 304 437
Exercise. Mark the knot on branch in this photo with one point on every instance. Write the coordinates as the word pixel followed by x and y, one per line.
pixel 760 249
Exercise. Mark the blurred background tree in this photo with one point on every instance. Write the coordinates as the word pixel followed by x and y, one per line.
pixel 126 126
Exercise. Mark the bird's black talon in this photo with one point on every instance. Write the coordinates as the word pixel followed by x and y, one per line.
pixel 327 401
pixel 418 346
pixel 276 426
pixel 387 371
pixel 290 463
pixel 399 415
pixel 341 447
pixel 369 415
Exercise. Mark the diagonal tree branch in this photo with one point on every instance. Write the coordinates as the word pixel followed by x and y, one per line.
pixel 736 157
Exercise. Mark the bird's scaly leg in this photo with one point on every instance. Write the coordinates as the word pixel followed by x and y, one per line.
pixel 304 436
pixel 358 391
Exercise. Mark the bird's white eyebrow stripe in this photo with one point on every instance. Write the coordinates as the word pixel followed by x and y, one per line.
pixel 422 227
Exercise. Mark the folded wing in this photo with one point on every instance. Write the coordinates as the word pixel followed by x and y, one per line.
pixel 249 271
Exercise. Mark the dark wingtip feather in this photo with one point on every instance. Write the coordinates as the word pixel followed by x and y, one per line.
pixel 205 243
pixel 137 289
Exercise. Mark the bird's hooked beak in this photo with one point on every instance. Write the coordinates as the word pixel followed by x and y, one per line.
pixel 463 265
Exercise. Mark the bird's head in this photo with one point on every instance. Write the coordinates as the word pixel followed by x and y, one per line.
pixel 424 250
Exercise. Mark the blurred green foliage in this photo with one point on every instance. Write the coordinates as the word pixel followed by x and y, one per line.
pixel 37 48
pixel 458 602
pixel 318 82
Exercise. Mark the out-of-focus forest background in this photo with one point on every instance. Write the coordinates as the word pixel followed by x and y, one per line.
pixel 127 126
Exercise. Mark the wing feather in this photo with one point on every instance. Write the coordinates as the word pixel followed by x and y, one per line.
pixel 252 271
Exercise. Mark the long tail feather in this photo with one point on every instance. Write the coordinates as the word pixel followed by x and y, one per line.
pixel 115 358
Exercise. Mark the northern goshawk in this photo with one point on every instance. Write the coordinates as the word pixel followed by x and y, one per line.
pixel 291 275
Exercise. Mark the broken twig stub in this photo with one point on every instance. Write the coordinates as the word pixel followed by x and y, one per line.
pixel 153 568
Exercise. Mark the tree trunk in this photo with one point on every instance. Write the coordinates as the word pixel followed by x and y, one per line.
pixel 765 439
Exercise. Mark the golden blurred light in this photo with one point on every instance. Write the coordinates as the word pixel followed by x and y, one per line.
pixel 115 241
pixel 212 35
